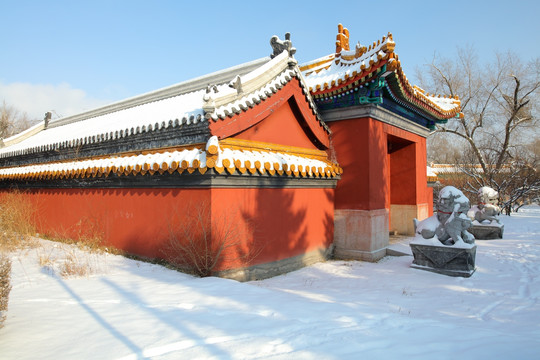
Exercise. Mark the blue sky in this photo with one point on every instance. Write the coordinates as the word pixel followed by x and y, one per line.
pixel 70 56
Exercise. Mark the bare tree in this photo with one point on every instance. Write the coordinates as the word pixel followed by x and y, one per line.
pixel 500 106
pixel 445 151
pixel 13 121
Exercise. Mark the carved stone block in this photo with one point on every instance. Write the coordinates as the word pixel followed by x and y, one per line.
pixel 447 260
pixel 487 231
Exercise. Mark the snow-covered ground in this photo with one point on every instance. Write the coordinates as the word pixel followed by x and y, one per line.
pixel 335 310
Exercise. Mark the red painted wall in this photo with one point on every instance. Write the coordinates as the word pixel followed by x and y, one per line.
pixel 373 178
pixel 412 163
pixel 135 220
pixel 281 127
pixel 403 179
pixel 360 147
pixel 277 223
pixel 408 174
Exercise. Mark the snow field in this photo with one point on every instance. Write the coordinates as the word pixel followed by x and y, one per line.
pixel 125 309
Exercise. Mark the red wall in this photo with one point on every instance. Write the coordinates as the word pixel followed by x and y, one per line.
pixel 403 176
pixel 277 223
pixel 360 146
pixel 408 175
pixel 135 220
pixel 284 222
pixel 281 127
pixel 372 178
pixel 408 168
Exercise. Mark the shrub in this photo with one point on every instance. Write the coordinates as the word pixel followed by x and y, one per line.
pixel 198 243
pixel 69 260
pixel 5 285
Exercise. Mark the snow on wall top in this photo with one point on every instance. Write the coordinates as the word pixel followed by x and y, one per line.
pixel 201 158
pixel 431 174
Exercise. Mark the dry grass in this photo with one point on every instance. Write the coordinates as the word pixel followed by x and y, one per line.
pixel 46 262
pixel 16 231
pixel 5 286
pixel 87 235
pixel 72 257
pixel 16 221
pixel 74 265
pixel 67 260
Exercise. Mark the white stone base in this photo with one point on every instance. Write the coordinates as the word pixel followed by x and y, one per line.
pixel 347 254
pixel 360 234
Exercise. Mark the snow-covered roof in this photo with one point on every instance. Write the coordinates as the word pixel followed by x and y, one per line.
pixel 330 72
pixel 209 98
pixel 166 131
pixel 178 110
pixel 441 169
pixel 174 105
pixel 431 174
pixel 347 70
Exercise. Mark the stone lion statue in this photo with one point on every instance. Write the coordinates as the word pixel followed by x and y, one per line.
pixel 487 208
pixel 451 222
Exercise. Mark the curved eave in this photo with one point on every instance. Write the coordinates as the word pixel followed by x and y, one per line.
pixel 346 67
pixel 347 82
pixel 402 91
pixel 347 70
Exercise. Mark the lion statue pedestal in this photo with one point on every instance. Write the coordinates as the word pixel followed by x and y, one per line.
pixel 485 216
pixel 442 243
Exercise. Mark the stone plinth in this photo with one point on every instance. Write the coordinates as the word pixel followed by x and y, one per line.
pixel 486 231
pixel 360 234
pixel 455 260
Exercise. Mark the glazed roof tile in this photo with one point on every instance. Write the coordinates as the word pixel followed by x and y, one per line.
pixel 338 72
pixel 201 158
pixel 333 70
